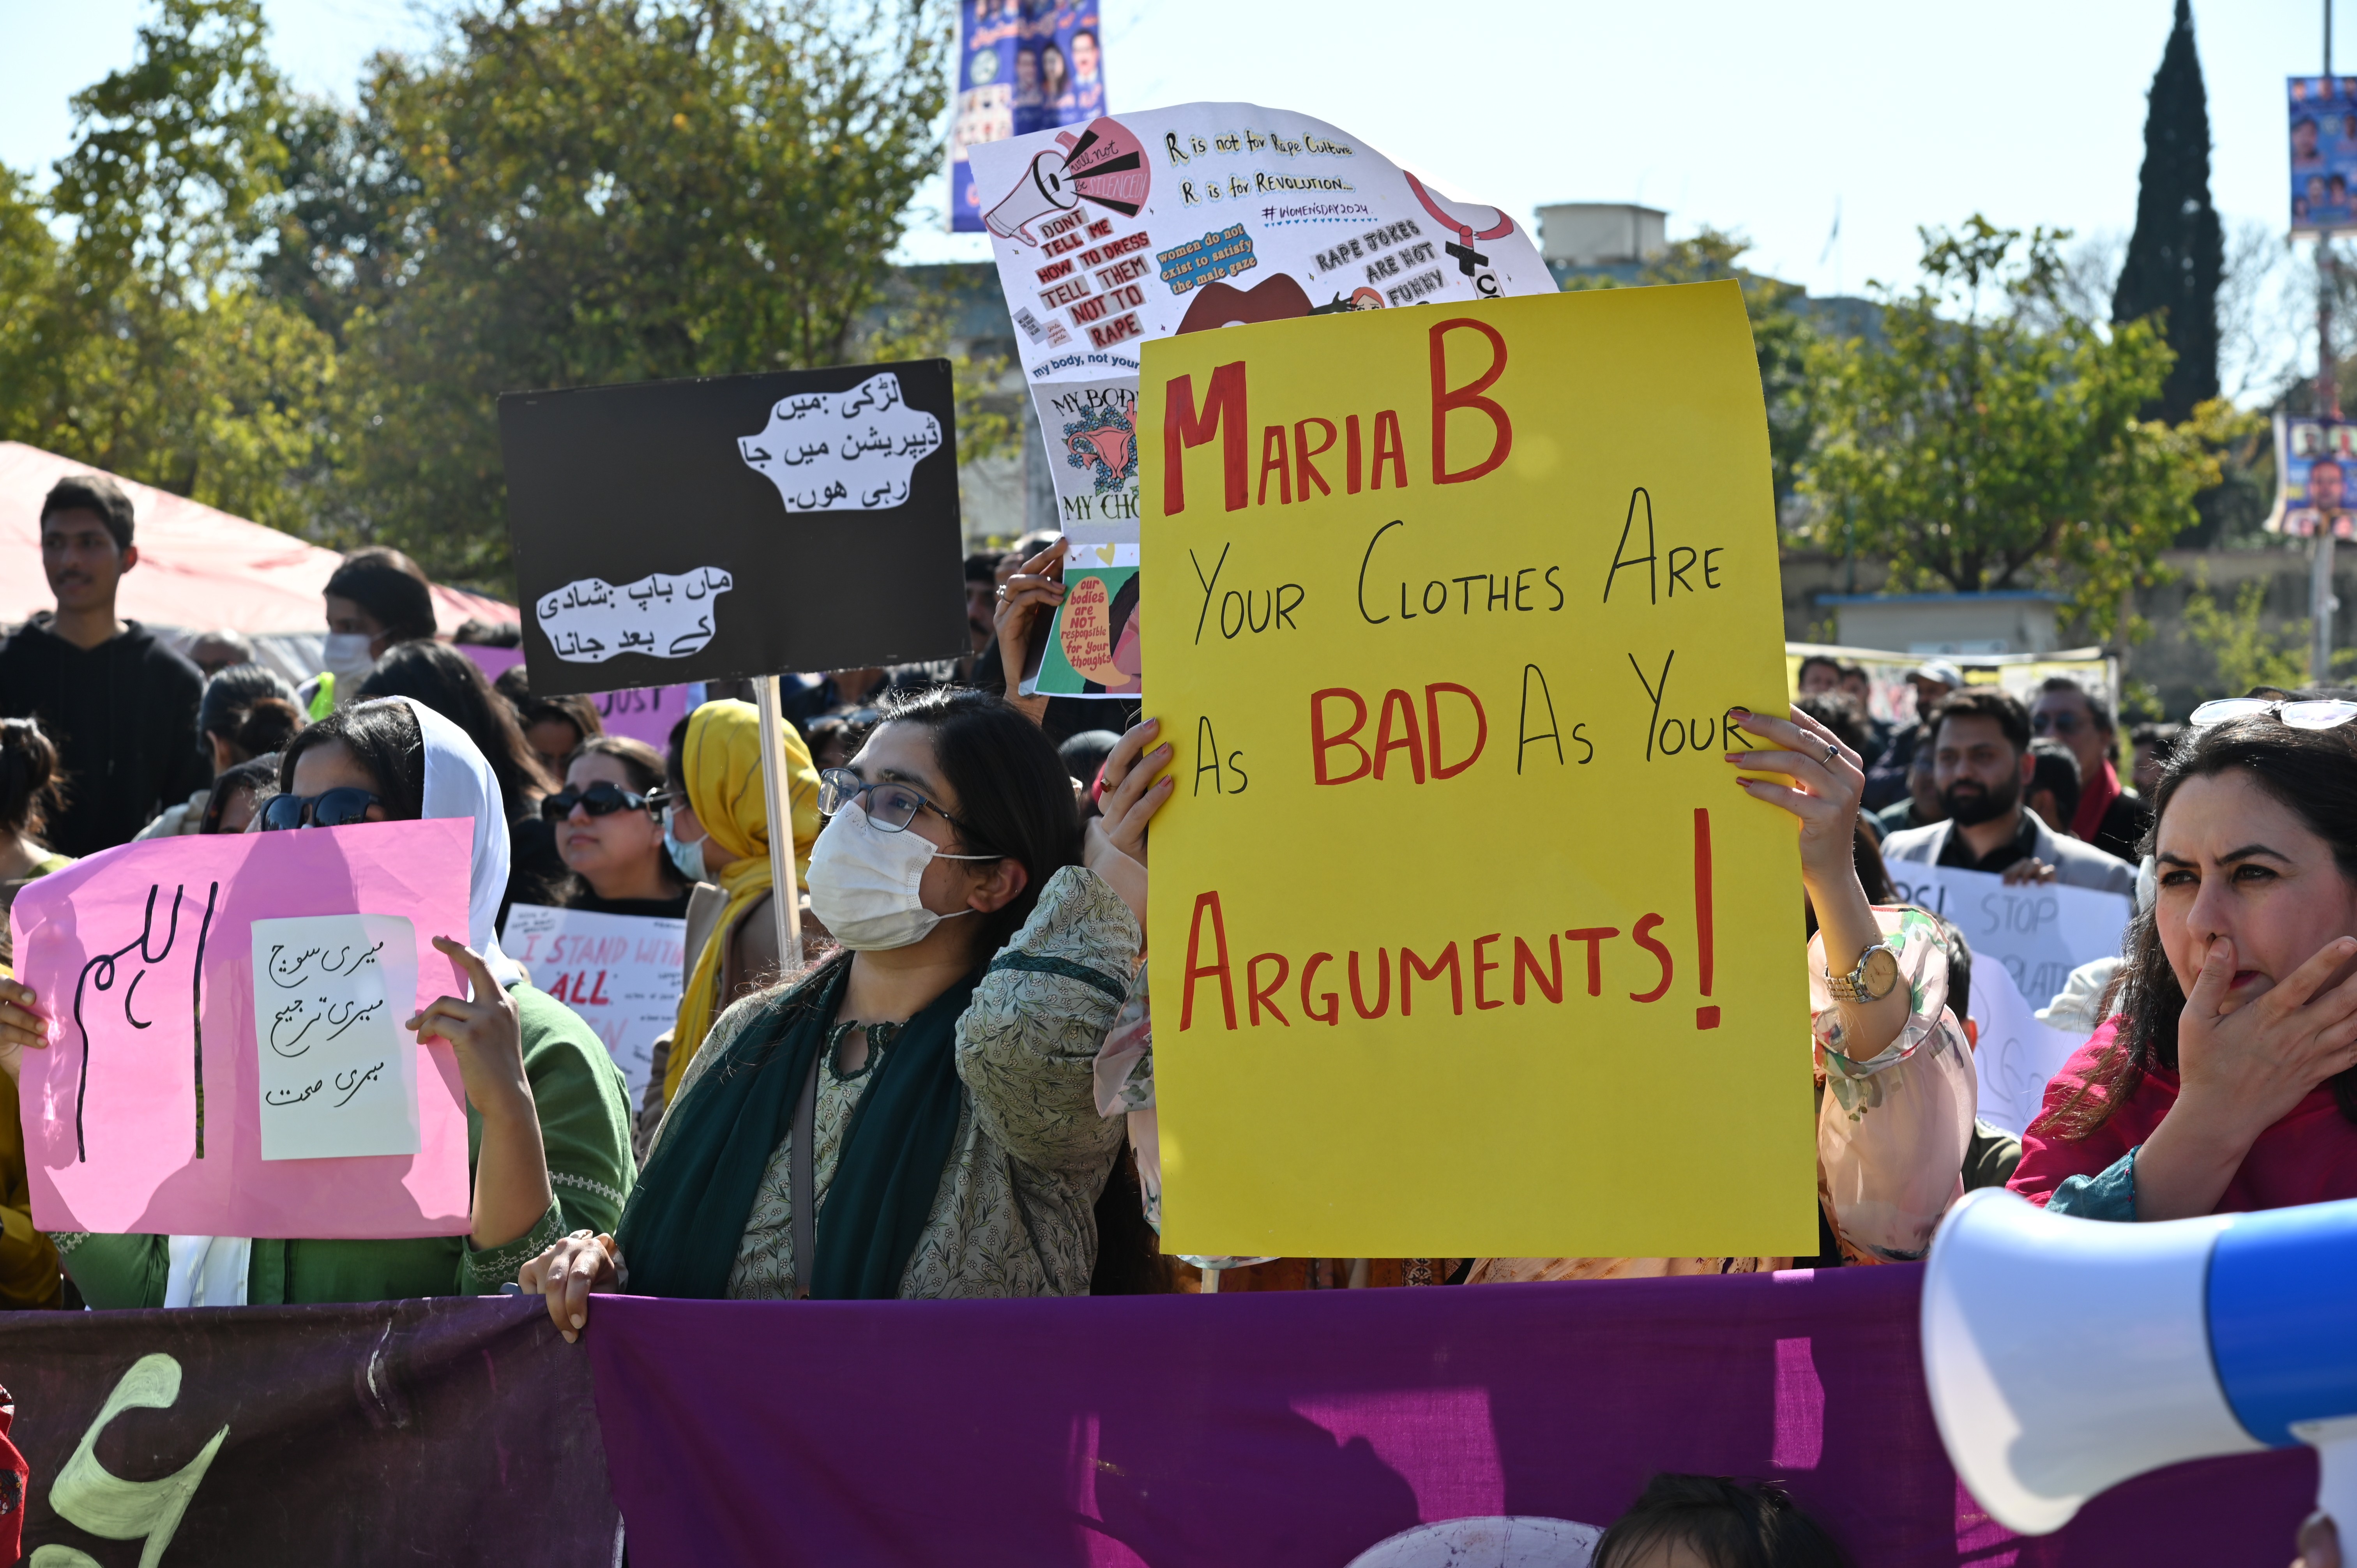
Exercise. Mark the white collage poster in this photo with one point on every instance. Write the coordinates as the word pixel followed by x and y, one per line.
pixel 1181 220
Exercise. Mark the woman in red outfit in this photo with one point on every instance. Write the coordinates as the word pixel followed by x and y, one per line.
pixel 2224 1080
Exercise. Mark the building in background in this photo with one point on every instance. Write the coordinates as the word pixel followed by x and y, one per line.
pixel 1601 238
pixel 1584 242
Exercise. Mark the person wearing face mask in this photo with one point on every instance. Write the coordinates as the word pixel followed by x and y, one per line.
pixel 608 832
pixel 547 1137
pixel 377 598
pixel 916 1117
pixel 721 825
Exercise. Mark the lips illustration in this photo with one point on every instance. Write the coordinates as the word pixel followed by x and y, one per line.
pixel 1274 298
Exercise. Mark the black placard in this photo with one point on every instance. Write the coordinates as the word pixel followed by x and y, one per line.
pixel 739 525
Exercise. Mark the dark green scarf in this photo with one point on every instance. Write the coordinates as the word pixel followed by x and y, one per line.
pixel 686 1216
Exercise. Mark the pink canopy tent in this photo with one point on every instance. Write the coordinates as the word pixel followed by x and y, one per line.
pixel 199 568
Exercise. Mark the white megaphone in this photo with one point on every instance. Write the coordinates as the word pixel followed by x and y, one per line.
pixel 2065 1355
pixel 1042 190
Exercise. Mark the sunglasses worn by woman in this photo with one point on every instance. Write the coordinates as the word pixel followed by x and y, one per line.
pixel 335 808
pixel 600 800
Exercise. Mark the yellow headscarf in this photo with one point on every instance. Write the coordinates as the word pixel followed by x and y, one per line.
pixel 720 763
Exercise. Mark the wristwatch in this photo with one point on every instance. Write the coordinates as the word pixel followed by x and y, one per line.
pixel 1871 980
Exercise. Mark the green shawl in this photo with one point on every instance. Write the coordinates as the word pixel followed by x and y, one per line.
pixel 687 1217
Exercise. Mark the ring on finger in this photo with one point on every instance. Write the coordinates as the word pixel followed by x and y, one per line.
pixel 1831 751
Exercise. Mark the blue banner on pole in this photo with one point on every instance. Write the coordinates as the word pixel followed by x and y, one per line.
pixel 2323 151
pixel 1022 65
pixel 2315 459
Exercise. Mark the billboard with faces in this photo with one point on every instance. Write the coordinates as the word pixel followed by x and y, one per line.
pixel 2316 461
pixel 1022 65
pixel 2323 151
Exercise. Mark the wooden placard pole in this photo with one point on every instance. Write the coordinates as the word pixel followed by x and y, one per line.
pixel 785 899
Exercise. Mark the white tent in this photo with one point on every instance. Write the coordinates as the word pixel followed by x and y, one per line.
pixel 199 569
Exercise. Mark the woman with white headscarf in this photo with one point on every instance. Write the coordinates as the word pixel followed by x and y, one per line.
pixel 547 1118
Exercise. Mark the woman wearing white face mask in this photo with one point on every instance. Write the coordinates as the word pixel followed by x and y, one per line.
pixel 377 598
pixel 932 1085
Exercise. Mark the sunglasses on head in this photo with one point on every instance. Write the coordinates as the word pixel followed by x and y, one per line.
pixel 2318 713
pixel 329 809
pixel 600 800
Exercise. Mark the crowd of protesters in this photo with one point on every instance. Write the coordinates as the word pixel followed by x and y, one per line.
pixel 958 1062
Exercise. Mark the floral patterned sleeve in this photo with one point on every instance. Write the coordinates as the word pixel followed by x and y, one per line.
pixel 1027 1042
pixel 1892 1129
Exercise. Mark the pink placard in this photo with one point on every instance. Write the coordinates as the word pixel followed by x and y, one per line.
pixel 493 663
pixel 645 713
pixel 113 1139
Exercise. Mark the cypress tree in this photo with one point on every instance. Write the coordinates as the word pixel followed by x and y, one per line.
pixel 2177 253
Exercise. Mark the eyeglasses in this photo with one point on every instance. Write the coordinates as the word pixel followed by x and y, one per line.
pixel 2319 714
pixel 600 800
pixel 329 809
pixel 2060 723
pixel 890 806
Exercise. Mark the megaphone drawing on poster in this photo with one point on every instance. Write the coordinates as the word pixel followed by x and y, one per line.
pixel 1102 165
pixel 2066 1356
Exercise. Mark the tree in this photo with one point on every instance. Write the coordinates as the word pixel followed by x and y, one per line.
pixel 139 344
pixel 1993 440
pixel 2238 643
pixel 2177 252
pixel 304 314
pixel 587 191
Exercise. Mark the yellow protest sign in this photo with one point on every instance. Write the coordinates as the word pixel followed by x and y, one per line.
pixel 1465 941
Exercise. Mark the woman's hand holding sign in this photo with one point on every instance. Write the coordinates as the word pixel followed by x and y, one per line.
pixel 1038 587
pixel 20 1026
pixel 1115 847
pixel 511 1190
pixel 1822 782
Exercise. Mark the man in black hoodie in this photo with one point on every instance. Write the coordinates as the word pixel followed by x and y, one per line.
pixel 120 706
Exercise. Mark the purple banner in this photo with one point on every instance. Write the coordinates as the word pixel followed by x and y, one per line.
pixel 644 713
pixel 448 1431
pixel 1022 65
pixel 1302 1428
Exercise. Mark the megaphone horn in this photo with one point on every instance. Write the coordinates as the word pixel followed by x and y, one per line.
pixel 2065 1355
pixel 1042 190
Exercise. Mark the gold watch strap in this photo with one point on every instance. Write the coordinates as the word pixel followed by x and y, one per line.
pixel 1844 987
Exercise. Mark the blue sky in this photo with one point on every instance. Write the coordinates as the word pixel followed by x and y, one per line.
pixel 1760 119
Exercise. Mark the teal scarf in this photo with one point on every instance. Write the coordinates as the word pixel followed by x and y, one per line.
pixel 686 1216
